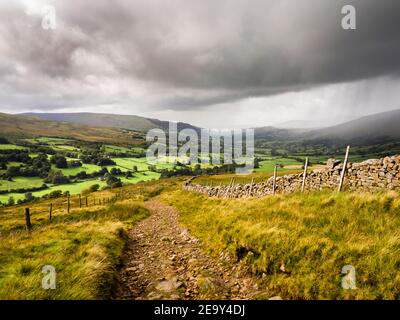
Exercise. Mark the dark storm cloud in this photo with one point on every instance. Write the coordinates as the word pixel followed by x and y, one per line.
pixel 193 53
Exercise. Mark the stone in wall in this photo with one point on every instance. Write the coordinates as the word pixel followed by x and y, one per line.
pixel 369 175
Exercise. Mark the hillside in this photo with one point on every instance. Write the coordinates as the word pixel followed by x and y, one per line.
pixel 374 129
pixel 130 122
pixel 380 127
pixel 107 120
pixel 369 130
pixel 25 126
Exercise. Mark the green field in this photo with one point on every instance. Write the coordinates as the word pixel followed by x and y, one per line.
pixel 48 140
pixel 89 168
pixel 20 182
pixel 11 147
pixel 268 164
pixel 126 164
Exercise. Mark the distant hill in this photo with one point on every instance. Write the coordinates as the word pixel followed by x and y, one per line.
pixel 299 124
pixel 26 126
pixel 380 127
pixel 374 129
pixel 130 122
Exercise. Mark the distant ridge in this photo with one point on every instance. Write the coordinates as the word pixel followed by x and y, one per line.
pixel 373 129
pixel 130 122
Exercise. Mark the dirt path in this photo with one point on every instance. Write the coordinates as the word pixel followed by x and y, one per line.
pixel 163 261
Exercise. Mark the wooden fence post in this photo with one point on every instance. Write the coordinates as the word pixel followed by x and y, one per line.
pixel 219 189
pixel 232 187
pixel 68 203
pixel 28 220
pixel 304 175
pixel 274 180
pixel 251 187
pixel 51 211
pixel 80 201
pixel 344 169
pixel 229 187
pixel 86 202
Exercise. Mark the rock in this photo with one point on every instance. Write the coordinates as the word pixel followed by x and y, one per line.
pixel 332 163
pixel 168 285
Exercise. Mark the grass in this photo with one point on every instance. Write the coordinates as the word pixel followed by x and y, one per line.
pixel 89 168
pixel 73 188
pixel 84 246
pixel 313 235
pixel 11 147
pixel 267 165
pixel 20 182
pixel 126 164
pixel 225 179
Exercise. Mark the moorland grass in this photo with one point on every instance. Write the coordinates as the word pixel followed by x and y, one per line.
pixel 84 246
pixel 312 235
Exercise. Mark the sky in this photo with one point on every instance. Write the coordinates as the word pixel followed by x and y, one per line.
pixel 212 63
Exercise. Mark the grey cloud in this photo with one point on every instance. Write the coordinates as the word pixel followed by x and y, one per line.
pixel 198 53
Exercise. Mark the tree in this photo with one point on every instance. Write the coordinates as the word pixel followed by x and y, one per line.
pixel 115 171
pixel 60 161
pixel 29 196
pixel 94 187
pixel 56 177
pixel 55 194
pixel 82 175
pixel 12 171
pixel 11 201
pixel 105 162
pixel 111 180
pixel 117 184
pixel 135 169
pixel 128 174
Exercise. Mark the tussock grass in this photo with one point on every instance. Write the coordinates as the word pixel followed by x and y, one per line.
pixel 313 235
pixel 84 246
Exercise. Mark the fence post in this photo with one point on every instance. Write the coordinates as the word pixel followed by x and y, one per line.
pixel 28 220
pixel 344 169
pixel 229 187
pixel 274 180
pixel 232 187
pixel 251 187
pixel 219 189
pixel 68 204
pixel 86 202
pixel 80 201
pixel 304 175
pixel 51 211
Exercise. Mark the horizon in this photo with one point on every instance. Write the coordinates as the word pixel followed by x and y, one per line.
pixel 277 126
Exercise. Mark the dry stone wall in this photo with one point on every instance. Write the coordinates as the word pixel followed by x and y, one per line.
pixel 370 175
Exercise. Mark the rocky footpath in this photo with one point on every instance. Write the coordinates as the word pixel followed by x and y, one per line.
pixel 164 261
pixel 369 175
